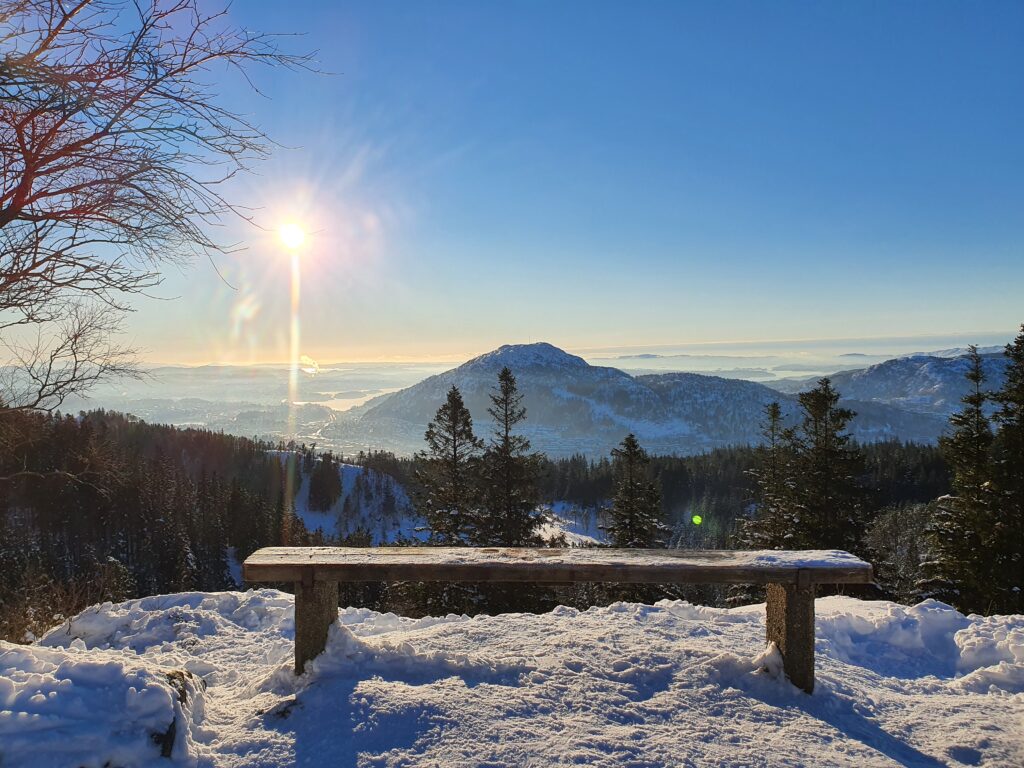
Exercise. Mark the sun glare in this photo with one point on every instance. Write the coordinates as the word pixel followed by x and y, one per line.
pixel 291 235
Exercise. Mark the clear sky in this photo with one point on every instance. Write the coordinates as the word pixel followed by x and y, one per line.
pixel 600 174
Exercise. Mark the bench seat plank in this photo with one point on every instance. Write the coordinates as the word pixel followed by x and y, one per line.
pixel 658 566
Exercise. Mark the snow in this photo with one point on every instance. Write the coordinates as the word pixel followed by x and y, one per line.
pixel 629 684
pixel 370 512
pixel 522 356
pixel 234 566
pixel 70 706
pixel 805 558
pixel 821 560
pixel 577 526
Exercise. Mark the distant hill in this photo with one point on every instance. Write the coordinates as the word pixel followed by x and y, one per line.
pixel 924 384
pixel 575 407
pixel 994 349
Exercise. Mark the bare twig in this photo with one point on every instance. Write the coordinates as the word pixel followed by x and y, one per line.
pixel 113 150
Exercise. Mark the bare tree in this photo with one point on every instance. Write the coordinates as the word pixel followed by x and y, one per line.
pixel 113 150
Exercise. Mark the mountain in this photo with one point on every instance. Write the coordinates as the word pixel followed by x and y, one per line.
pixel 572 406
pixel 575 407
pixel 923 384
pixel 993 349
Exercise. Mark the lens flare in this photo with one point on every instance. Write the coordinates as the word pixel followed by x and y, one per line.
pixel 291 235
pixel 294 334
pixel 697 519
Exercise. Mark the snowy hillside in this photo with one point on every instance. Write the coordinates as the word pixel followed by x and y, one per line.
pixel 377 505
pixel 927 384
pixel 575 526
pixel 991 349
pixel 206 680
pixel 575 407
pixel 371 502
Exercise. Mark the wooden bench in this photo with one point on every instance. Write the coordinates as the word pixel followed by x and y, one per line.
pixel 791 578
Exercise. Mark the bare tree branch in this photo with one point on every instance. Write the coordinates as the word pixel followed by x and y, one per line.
pixel 113 149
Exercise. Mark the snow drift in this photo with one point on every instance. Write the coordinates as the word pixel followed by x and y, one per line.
pixel 205 679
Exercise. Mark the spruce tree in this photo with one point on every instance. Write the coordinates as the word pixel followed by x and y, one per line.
pixel 958 570
pixel 324 484
pixel 1007 534
pixel 896 540
pixel 448 493
pixel 509 472
pixel 636 506
pixel 773 521
pixel 828 511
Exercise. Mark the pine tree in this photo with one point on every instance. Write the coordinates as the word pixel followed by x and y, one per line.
pixel 1007 534
pixel 959 567
pixel 448 494
pixel 826 475
pixel 636 506
pixel 509 472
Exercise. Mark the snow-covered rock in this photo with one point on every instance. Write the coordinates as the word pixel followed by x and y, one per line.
pixel 665 685
pixel 73 707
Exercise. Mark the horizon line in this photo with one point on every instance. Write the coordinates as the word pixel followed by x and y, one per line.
pixel 463 357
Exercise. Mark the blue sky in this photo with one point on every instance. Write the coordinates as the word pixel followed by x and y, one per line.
pixel 616 174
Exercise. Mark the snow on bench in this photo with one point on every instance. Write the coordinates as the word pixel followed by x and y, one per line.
pixel 790 576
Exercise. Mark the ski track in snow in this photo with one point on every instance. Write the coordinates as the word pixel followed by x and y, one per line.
pixel 665 685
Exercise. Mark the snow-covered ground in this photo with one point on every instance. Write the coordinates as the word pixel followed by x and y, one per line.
pixel 207 678
pixel 370 501
pixel 579 527
pixel 377 504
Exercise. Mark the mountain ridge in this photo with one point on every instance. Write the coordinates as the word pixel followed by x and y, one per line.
pixel 930 384
pixel 576 407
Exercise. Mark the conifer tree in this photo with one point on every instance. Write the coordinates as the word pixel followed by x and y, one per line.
pixel 895 539
pixel 1007 535
pixel 826 475
pixel 324 484
pixel 448 493
pixel 636 506
pixel 773 523
pixel 509 472
pixel 959 567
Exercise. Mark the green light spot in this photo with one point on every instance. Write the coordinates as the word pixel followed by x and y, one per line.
pixel 697 519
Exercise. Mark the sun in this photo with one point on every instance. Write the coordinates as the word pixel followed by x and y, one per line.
pixel 291 235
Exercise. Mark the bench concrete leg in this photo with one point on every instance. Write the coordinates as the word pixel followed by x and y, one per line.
pixel 790 624
pixel 316 608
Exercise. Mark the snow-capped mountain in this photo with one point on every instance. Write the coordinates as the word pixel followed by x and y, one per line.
pixel 993 349
pixel 522 357
pixel 931 384
pixel 572 405
pixel 575 407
